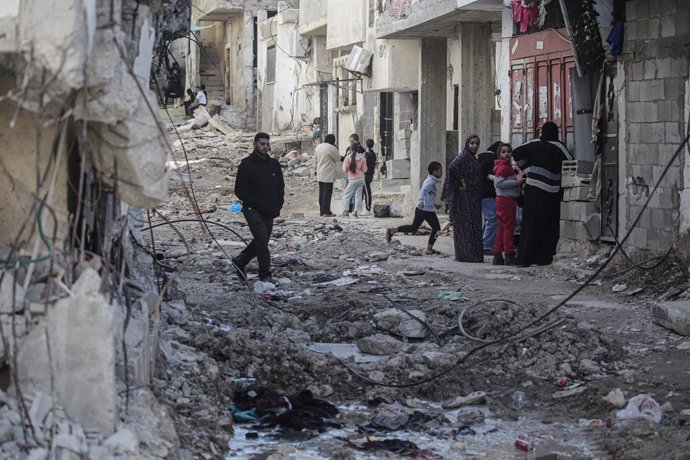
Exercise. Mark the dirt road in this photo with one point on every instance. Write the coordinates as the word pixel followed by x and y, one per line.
pixel 350 309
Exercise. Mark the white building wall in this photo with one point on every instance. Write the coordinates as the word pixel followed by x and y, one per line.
pixel 347 23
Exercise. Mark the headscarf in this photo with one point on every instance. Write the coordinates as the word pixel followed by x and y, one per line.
pixel 451 183
pixel 549 131
pixel 467 144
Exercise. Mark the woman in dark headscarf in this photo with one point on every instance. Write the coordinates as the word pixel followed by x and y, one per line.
pixel 541 159
pixel 462 194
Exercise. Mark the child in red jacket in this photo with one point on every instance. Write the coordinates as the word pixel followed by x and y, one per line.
pixel 508 182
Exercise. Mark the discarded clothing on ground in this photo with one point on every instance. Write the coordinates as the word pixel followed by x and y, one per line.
pixel 298 412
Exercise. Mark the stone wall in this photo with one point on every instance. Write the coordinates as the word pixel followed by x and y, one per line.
pixel 657 35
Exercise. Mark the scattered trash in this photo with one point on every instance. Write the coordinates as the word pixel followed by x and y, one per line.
pixel 398 446
pixel 615 397
pixel 452 295
pixel 243 383
pixel 235 207
pixel 344 281
pixel 635 291
pixel 524 444
pixel 515 278
pixel 251 435
pixel 519 400
pixel 262 286
pixel 562 382
pixel 595 423
pixel 619 287
pixel 569 392
pixel 322 277
pixel 684 346
pixel 385 422
pixel 414 272
pixel 472 398
pixel 465 430
pixel 643 406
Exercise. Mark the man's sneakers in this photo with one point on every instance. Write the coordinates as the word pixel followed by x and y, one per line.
pixel 510 259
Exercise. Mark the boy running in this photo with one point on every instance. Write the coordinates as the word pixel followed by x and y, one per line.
pixel 425 208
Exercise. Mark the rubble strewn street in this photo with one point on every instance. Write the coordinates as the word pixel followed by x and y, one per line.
pixel 358 322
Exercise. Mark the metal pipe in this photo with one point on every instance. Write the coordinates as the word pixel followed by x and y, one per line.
pixel 569 28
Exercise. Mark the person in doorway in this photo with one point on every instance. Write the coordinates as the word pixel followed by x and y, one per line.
pixel 259 185
pixel 462 192
pixel 370 157
pixel 190 99
pixel 508 182
pixel 327 158
pixel 199 100
pixel 354 166
pixel 541 159
pixel 426 204
pixel 486 161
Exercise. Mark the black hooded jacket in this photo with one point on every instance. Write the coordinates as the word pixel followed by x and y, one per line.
pixel 486 161
pixel 259 184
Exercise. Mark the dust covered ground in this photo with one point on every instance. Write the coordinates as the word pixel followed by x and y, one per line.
pixel 359 322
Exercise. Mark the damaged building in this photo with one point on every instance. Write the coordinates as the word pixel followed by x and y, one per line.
pixel 418 76
pixel 83 153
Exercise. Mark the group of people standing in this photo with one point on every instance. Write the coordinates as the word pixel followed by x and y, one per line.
pixel 491 183
pixel 358 166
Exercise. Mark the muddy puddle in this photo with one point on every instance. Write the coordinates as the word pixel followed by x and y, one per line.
pixel 491 439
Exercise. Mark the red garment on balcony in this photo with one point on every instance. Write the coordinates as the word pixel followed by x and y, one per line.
pixel 525 13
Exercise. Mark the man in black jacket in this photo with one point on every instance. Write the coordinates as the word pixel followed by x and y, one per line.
pixel 260 186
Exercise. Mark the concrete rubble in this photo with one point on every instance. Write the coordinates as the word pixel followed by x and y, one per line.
pixel 339 298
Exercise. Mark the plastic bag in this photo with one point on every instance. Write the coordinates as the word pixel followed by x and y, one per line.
pixel 641 406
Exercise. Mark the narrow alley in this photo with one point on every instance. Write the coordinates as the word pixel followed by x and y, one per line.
pixel 183 276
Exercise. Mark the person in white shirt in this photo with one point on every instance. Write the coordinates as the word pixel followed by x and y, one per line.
pixel 327 158
pixel 199 100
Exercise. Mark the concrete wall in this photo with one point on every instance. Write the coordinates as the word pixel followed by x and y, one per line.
pixel 656 73
pixel 395 65
pixel 347 23
pixel 312 17
pixel 18 186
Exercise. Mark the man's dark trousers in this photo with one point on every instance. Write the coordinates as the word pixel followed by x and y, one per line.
pixel 261 228
pixel 325 195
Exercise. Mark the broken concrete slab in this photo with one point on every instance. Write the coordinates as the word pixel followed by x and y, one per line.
pixel 615 397
pixel 673 315
pixel 11 295
pixel 77 337
pixel 398 322
pixel 379 344
pixel 438 360
pixel 344 351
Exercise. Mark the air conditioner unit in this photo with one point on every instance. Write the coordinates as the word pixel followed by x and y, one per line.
pixel 300 46
pixel 358 60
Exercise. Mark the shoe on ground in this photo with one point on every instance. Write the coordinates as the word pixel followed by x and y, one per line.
pixel 429 252
pixel 328 214
pixel 345 214
pixel 389 234
pixel 267 279
pixel 498 259
pixel 354 214
pixel 510 259
pixel 488 252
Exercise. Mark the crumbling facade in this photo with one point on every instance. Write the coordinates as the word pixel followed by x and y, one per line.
pixel 222 54
pixel 442 69
pixel 83 152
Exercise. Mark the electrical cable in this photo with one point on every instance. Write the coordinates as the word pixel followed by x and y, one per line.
pixel 549 312
pixel 197 220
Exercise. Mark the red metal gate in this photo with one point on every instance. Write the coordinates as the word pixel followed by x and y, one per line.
pixel 540 85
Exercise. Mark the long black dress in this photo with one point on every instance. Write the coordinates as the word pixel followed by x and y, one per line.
pixel 464 206
pixel 541 211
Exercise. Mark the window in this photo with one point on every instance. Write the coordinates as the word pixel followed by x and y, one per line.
pixel 345 85
pixel 270 64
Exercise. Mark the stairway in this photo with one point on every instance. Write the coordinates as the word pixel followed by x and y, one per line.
pixel 210 73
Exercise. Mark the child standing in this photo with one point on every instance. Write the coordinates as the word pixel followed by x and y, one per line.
pixel 354 166
pixel 508 183
pixel 425 208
